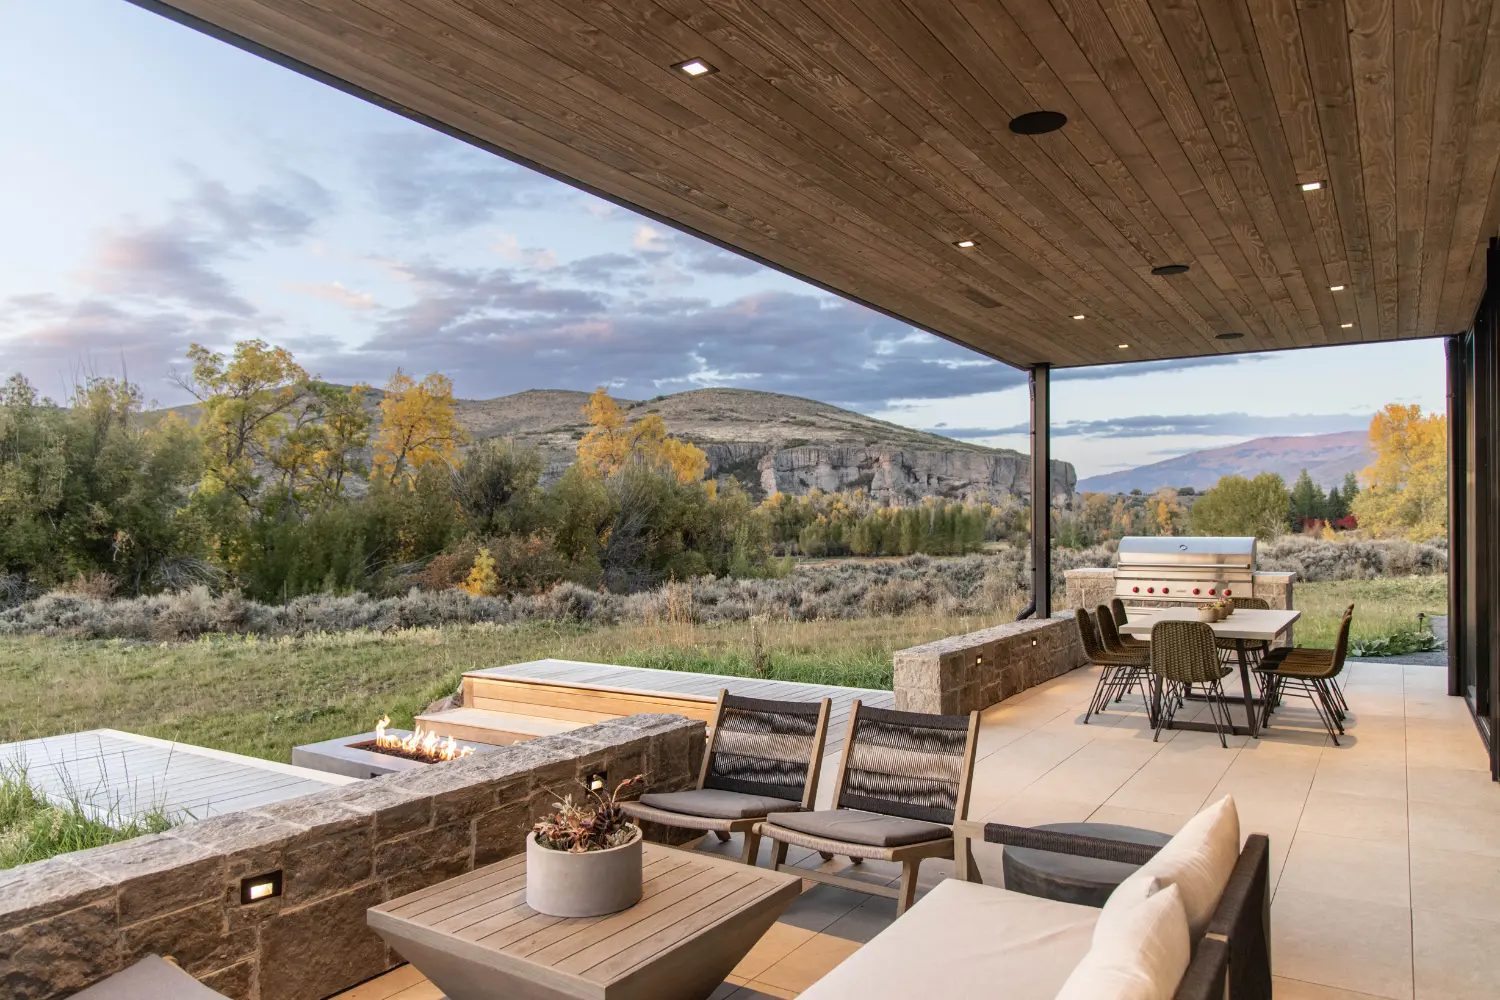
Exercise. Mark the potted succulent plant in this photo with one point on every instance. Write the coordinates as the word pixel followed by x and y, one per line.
pixel 584 858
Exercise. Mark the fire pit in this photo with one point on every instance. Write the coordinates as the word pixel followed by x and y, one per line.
pixel 384 751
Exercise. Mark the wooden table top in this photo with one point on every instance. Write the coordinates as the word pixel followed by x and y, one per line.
pixel 687 895
pixel 1245 623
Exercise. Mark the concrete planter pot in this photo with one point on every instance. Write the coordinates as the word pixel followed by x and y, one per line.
pixel 591 884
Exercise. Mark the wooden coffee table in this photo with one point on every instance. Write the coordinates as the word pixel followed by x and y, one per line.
pixel 475 938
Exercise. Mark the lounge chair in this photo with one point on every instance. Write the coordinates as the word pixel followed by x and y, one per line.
pixel 903 781
pixel 762 758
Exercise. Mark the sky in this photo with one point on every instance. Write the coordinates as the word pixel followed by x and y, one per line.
pixel 159 188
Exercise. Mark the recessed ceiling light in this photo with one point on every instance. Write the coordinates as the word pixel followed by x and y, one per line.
pixel 1038 122
pixel 1313 186
pixel 1166 269
pixel 965 244
pixel 1124 347
pixel 1346 326
pixel 1230 335
pixel 695 67
pixel 1079 316
pixel 1335 288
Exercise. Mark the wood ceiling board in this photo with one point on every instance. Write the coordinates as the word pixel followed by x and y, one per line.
pixel 853 141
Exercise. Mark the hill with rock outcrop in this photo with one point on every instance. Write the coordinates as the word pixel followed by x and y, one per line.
pixel 773 443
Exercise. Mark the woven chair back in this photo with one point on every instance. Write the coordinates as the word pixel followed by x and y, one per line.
pixel 1341 647
pixel 763 747
pixel 1091 645
pixel 1250 603
pixel 906 764
pixel 1184 652
pixel 1107 630
pixel 1117 606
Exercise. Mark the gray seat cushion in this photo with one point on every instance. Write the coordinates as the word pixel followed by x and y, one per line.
pixel 152 978
pixel 717 803
pixel 856 827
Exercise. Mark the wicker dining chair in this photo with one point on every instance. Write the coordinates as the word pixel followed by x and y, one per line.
pixel 1122 617
pixel 1183 653
pixel 903 782
pixel 1117 671
pixel 1310 674
pixel 762 758
pixel 1115 644
pixel 1256 648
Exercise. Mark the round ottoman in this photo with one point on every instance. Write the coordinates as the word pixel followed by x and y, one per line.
pixel 1068 878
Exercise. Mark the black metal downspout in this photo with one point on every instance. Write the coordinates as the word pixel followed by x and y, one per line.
pixel 1040 383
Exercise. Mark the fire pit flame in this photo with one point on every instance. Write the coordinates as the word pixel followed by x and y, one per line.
pixel 422 743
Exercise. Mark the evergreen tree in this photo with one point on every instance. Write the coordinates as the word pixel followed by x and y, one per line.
pixel 1336 506
pixel 1308 500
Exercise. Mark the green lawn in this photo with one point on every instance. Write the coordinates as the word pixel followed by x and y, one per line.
pixel 1380 606
pixel 263 697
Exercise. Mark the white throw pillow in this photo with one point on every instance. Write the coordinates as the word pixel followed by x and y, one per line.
pixel 1141 955
pixel 1199 860
pixel 1134 890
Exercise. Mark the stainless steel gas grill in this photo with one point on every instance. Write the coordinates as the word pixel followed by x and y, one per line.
pixel 1184 569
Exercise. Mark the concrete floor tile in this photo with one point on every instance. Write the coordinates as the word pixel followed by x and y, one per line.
pixel 1365 870
pixel 1294 989
pixel 1325 940
pixel 808 963
pixel 1361 817
pixel 1344 774
pixel 1456 958
pixel 1141 818
pixel 1455 828
pixel 1453 786
pixel 1462 885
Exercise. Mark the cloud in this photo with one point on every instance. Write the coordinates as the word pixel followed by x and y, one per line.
pixel 1198 424
pixel 421 177
pixel 335 291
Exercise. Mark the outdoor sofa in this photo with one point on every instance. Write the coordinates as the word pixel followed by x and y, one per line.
pixel 1209 941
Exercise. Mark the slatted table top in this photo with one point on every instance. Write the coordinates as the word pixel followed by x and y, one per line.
pixel 687 898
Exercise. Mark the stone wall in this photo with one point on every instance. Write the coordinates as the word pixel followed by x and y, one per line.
pixel 962 673
pixel 1089 588
pixel 68 922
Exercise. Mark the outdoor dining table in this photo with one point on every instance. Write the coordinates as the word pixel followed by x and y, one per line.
pixel 1246 625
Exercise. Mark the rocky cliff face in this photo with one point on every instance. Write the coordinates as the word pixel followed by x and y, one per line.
pixel 890 475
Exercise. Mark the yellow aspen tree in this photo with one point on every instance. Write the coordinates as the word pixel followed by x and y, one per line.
pixel 419 426
pixel 612 441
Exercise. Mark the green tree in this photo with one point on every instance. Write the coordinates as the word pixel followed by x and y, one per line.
pixel 1308 500
pixel 496 487
pixel 1238 506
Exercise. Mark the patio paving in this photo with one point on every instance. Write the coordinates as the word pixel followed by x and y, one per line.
pixel 1385 851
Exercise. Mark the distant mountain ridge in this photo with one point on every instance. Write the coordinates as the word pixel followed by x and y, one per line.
pixel 1326 457
pixel 770 442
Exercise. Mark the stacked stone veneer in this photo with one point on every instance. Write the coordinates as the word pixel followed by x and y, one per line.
pixel 68 922
pixel 963 673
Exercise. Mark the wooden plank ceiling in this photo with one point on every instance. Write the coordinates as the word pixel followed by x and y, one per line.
pixel 855 142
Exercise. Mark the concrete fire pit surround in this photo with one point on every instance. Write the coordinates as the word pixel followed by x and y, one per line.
pixel 69 921
pixel 342 756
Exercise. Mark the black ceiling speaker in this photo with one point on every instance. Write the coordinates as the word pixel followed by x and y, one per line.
pixel 1166 269
pixel 1038 122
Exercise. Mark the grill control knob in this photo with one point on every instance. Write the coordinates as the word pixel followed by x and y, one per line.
pixel 1212 591
pixel 1150 590
pixel 1195 590
pixel 1135 590
pixel 1166 590
pixel 1227 592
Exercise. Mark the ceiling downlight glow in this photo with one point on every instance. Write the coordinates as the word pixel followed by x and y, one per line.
pixel 1313 186
pixel 965 244
pixel 1335 288
pixel 1079 316
pixel 1124 347
pixel 695 67
pixel 1346 326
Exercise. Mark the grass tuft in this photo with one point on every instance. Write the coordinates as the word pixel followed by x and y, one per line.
pixel 34 828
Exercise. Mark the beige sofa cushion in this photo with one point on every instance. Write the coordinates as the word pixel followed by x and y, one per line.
pixel 967 940
pixel 1141 954
pixel 1198 860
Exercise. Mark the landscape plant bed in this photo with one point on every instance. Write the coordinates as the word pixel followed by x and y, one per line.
pixel 34 827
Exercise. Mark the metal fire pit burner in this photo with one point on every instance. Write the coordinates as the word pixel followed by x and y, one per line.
pixel 345 756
